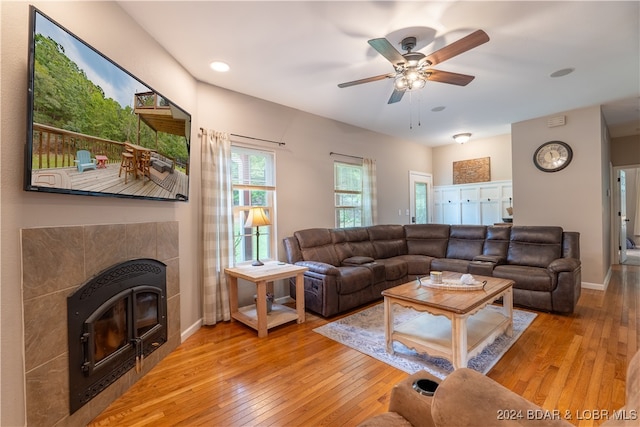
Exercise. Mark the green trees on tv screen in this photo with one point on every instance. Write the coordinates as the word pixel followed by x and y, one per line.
pixel 65 98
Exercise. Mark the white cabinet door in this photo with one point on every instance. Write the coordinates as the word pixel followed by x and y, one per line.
pixel 451 212
pixel 489 197
pixel 469 207
pixel 483 203
pixel 490 212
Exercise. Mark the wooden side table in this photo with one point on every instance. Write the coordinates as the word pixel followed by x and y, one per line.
pixel 256 316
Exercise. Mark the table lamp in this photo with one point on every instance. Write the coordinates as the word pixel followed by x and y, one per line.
pixel 257 218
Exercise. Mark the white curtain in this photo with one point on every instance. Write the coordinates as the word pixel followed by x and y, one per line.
pixel 369 193
pixel 216 224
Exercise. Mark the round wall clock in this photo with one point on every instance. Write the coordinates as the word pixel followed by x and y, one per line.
pixel 553 156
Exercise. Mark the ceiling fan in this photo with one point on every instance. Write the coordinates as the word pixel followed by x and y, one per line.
pixel 413 69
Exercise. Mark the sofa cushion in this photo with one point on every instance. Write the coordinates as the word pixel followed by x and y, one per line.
pixel 378 272
pixel 394 268
pixel 386 419
pixel 534 246
pixel 467 398
pixel 388 240
pixel 417 265
pixel 466 241
pixel 352 242
pixel 354 279
pixel 316 245
pixel 525 277
pixel 427 239
pixel 497 242
pixel 450 264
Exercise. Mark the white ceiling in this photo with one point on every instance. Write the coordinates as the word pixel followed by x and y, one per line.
pixel 295 53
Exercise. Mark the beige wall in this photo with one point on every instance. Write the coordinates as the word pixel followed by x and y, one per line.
pixel 497 148
pixel 576 198
pixel 625 150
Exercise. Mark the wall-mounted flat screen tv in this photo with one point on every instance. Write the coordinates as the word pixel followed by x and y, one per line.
pixel 95 129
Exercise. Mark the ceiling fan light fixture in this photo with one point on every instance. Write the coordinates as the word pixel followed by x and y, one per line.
pixel 419 84
pixel 412 69
pixel 401 83
pixel 461 138
pixel 410 80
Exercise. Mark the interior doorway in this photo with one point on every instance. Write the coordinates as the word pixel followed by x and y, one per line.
pixel 420 197
pixel 626 215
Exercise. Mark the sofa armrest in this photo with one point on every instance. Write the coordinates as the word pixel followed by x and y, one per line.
pixel 319 267
pixel 357 260
pixel 468 398
pixel 563 264
pixel 411 405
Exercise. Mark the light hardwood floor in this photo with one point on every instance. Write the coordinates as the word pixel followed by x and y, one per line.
pixel 226 376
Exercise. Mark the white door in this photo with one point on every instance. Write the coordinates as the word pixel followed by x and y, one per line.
pixel 622 214
pixel 421 185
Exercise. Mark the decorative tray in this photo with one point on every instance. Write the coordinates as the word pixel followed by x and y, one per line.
pixel 454 285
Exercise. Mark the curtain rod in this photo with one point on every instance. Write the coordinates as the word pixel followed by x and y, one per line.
pixel 258 139
pixel 345 155
pixel 252 137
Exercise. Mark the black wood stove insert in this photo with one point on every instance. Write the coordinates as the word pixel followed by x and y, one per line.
pixel 115 320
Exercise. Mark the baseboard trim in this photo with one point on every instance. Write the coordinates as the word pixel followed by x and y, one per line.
pixel 594 286
pixel 599 286
pixel 190 330
pixel 198 324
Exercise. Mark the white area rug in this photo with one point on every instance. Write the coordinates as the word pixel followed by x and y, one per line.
pixel 364 331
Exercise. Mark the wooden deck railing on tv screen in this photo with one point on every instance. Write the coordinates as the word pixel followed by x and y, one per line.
pixel 56 148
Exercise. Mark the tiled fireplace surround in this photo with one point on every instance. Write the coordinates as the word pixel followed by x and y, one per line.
pixel 55 262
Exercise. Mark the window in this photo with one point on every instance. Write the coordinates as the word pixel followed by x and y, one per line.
pixel 348 194
pixel 253 182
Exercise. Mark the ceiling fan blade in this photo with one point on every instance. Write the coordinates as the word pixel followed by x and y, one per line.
pixel 367 80
pixel 449 77
pixel 387 50
pixel 474 39
pixel 396 96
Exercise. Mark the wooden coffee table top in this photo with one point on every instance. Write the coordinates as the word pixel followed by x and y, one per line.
pixel 456 301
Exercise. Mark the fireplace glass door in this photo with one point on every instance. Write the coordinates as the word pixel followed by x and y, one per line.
pixel 110 329
pixel 146 309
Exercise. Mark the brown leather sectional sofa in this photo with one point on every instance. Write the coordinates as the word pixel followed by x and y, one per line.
pixel 349 267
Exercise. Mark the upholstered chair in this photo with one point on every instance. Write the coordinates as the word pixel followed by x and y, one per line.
pixel 468 398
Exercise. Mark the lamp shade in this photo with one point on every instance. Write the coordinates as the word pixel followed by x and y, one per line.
pixel 257 218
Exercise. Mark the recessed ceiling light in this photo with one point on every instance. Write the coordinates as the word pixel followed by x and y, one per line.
pixel 436 109
pixel 563 72
pixel 219 66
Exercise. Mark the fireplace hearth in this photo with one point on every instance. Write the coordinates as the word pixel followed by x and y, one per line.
pixel 114 320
